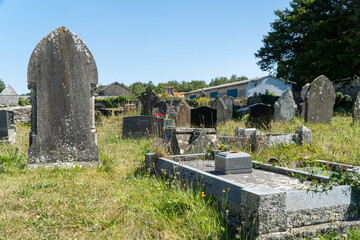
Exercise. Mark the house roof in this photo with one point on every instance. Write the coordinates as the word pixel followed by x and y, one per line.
pixel 235 84
pixel 111 84
pixel 8 91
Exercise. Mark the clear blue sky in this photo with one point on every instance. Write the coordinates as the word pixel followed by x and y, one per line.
pixel 142 40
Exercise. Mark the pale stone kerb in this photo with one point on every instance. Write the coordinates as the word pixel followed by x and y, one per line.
pixel 53 44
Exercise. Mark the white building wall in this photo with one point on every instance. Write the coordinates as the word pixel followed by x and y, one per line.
pixel 271 84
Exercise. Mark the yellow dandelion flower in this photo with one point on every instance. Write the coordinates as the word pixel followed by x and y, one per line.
pixel 223 191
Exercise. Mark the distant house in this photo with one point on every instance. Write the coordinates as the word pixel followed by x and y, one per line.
pixel 115 89
pixel 245 88
pixel 169 90
pixel 9 97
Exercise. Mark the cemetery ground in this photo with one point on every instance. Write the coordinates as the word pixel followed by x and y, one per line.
pixel 120 200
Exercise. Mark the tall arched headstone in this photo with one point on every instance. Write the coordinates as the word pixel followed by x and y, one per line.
pixel 320 101
pixel 62 76
pixel 222 111
pixel 183 114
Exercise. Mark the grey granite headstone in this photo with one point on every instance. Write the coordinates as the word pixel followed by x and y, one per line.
pixel 285 107
pixel 142 126
pixel 229 102
pixel 148 100
pixel 356 109
pixel 183 114
pixel 222 111
pixel 320 101
pixel 62 76
pixel 7 129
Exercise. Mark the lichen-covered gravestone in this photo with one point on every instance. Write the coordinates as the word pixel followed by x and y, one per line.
pixel 320 101
pixel 222 111
pixel 62 75
pixel 356 109
pixel 183 114
pixel 148 100
pixel 303 95
pixel 285 107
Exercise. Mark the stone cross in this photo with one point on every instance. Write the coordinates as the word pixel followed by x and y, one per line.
pixel 62 76
pixel 148 99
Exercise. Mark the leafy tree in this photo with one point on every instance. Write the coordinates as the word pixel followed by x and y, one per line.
pixel 313 38
pixel 224 80
pixel 2 85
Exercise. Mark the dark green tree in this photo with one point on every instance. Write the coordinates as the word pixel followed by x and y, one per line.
pixel 313 38
pixel 2 85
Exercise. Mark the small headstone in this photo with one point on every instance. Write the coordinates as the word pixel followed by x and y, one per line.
pixel 303 95
pixel 222 111
pixel 229 102
pixel 285 107
pixel 62 76
pixel 253 100
pixel 356 109
pixel 148 100
pixel 162 107
pixel 7 129
pixel 304 135
pixel 320 101
pixel 183 115
pixel 203 117
pixel 233 162
pixel 259 115
pixel 142 126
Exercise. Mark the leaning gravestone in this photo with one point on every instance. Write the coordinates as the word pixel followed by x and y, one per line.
pixel 62 76
pixel 356 109
pixel 221 110
pixel 203 117
pixel 320 101
pixel 183 114
pixel 285 107
pixel 148 100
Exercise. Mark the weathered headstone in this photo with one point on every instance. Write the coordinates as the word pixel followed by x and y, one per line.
pixel 203 117
pixel 320 101
pixel 304 135
pixel 253 100
pixel 142 126
pixel 183 114
pixel 229 102
pixel 62 76
pixel 356 109
pixel 162 107
pixel 285 107
pixel 221 110
pixel 148 100
pixel 303 95
pixel 259 115
pixel 199 142
pixel 7 129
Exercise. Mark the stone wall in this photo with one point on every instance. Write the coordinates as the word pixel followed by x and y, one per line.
pixel 11 99
pixel 21 113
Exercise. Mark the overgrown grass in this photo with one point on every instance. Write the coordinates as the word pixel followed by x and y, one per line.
pixel 335 142
pixel 116 201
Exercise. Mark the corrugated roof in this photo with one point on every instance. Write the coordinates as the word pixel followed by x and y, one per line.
pixel 235 84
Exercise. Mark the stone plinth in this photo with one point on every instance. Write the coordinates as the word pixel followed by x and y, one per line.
pixel 233 162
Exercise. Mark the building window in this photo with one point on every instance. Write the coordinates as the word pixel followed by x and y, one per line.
pixel 213 94
pixel 232 93
pixel 192 96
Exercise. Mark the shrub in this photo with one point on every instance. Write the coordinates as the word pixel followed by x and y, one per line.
pixel 24 102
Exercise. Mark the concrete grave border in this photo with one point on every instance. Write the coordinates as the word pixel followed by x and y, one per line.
pixel 267 212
